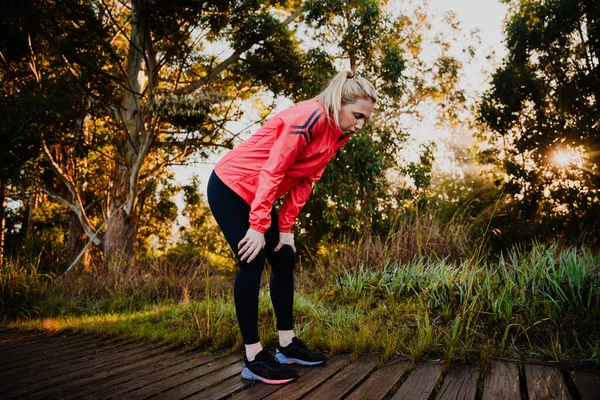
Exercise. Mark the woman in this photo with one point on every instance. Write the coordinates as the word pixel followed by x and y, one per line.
pixel 283 158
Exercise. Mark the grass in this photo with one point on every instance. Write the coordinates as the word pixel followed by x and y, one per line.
pixel 543 303
pixel 21 289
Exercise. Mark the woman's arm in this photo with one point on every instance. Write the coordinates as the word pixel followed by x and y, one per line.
pixel 292 137
pixel 290 142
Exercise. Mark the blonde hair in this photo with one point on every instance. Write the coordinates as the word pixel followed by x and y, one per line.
pixel 344 88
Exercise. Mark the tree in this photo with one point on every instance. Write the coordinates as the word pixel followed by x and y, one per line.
pixel 18 75
pixel 542 112
pixel 201 236
pixel 150 95
pixel 355 192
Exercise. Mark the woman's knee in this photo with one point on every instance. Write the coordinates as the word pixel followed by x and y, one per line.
pixel 254 267
pixel 283 259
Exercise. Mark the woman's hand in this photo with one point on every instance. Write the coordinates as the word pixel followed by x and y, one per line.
pixel 286 238
pixel 250 245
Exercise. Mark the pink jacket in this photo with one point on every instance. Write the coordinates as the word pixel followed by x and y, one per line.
pixel 284 157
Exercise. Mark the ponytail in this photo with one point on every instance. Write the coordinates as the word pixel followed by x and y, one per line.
pixel 345 88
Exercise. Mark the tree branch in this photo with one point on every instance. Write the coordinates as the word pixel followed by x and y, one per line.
pixel 195 85
pixel 58 198
pixel 77 205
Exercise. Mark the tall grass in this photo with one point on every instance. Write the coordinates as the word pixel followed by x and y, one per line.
pixel 541 302
pixel 544 303
pixel 176 301
pixel 21 289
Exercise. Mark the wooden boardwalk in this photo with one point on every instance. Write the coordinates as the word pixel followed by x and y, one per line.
pixel 36 366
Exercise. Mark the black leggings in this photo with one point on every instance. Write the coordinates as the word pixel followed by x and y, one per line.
pixel 232 214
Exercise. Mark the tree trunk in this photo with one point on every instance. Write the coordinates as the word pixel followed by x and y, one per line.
pixel 77 242
pixel 120 242
pixel 136 118
pixel 120 245
pixel 29 221
pixel 3 184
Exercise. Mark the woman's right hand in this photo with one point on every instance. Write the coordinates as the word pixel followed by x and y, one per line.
pixel 250 245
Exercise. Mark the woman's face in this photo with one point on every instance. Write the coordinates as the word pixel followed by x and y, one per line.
pixel 353 116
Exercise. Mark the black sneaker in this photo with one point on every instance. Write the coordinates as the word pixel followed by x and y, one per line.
pixel 297 353
pixel 267 369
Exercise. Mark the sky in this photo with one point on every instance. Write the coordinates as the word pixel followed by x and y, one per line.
pixel 486 16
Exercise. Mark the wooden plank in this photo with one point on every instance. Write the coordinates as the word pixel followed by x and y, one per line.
pixel 101 387
pixel 61 363
pixel 310 380
pixel 61 366
pixel 197 385
pixel 16 349
pixel 420 383
pixel 255 390
pixel 36 382
pixel 347 379
pixel 57 382
pixel 150 375
pixel 39 341
pixel 545 382
pixel 381 381
pixel 180 378
pixel 459 384
pixel 62 391
pixel 502 382
pixel 49 356
pixel 16 352
pixel 55 346
pixel 225 389
pixel 587 384
pixel 85 359
pixel 20 339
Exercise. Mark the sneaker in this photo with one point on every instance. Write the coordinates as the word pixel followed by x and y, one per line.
pixel 267 369
pixel 297 353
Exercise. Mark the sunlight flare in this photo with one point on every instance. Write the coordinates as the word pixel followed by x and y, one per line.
pixel 568 157
pixel 562 158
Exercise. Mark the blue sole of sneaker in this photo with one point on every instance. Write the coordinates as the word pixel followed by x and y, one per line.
pixel 247 374
pixel 285 360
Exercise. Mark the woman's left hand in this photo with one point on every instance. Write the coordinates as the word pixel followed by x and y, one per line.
pixel 286 238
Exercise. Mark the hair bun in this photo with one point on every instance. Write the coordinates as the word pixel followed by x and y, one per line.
pixel 349 75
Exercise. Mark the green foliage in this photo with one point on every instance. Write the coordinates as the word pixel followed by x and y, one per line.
pixel 537 304
pixel 200 235
pixel 361 164
pixel 356 193
pixel 158 216
pixel 21 289
pixel 517 302
pixel 47 240
pixel 73 69
pixel 318 69
pixel 543 104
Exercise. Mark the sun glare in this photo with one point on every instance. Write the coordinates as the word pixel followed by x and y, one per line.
pixel 568 156
pixel 562 158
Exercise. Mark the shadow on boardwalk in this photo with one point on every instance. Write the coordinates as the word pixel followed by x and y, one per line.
pixel 37 366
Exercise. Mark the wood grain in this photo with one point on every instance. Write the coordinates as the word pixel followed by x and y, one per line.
pixel 420 383
pixel 459 384
pixel 502 382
